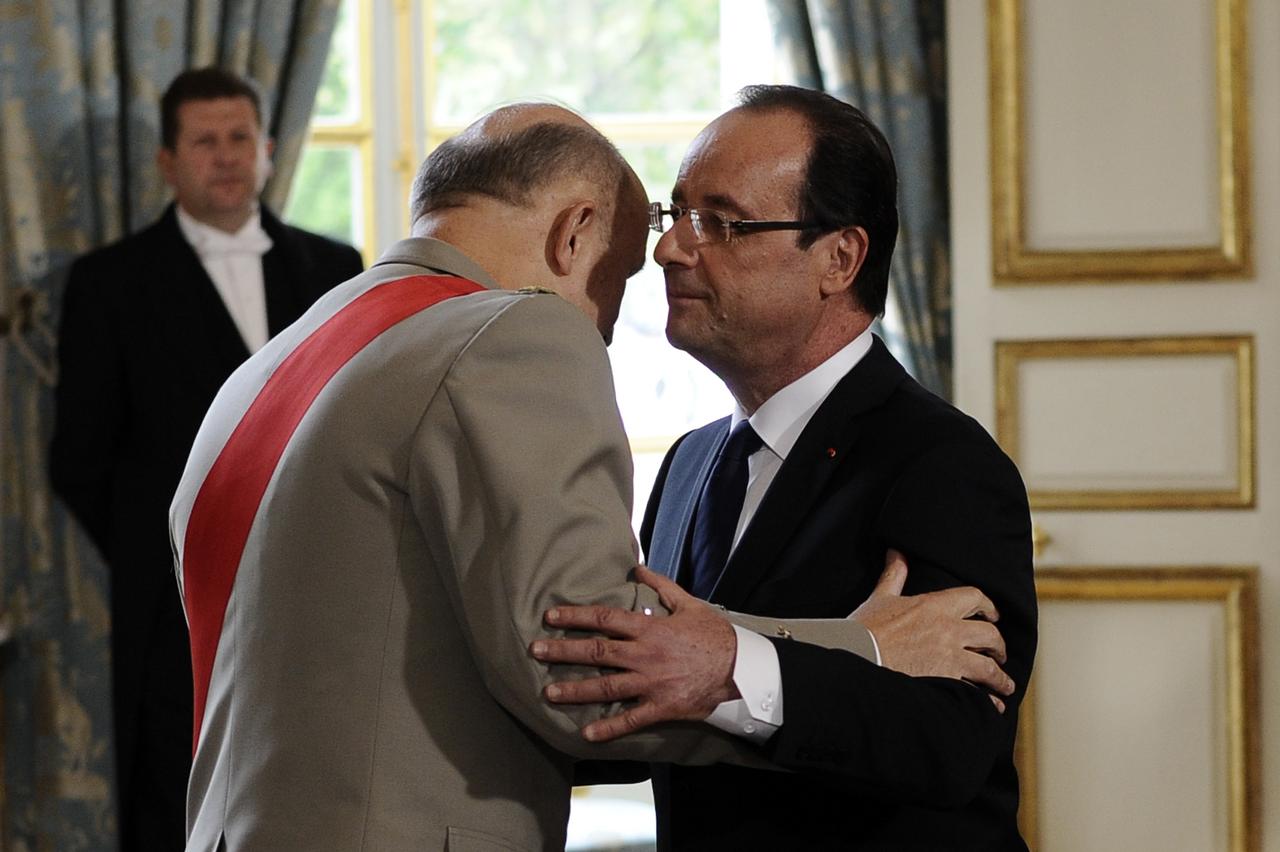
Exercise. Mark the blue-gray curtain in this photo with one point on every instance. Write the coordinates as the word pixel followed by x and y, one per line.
pixel 888 58
pixel 79 115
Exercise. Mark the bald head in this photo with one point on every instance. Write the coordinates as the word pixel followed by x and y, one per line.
pixel 514 153
pixel 519 116
pixel 537 196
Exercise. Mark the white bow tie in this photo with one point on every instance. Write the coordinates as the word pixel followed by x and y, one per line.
pixel 250 239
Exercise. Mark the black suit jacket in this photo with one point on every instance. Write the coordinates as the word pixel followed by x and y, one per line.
pixel 145 344
pixel 888 762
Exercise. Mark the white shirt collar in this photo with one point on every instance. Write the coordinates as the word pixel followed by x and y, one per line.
pixel 783 416
pixel 208 240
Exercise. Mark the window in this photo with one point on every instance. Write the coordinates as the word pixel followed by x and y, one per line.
pixel 331 189
pixel 404 76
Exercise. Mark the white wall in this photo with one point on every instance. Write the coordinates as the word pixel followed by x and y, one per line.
pixel 1141 72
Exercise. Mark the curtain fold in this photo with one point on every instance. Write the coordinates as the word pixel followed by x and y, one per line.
pixel 887 57
pixel 79 127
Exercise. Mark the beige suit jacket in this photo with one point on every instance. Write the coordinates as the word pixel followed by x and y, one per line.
pixel 459 474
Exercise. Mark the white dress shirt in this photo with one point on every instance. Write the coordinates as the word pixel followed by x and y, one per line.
pixel 778 422
pixel 234 264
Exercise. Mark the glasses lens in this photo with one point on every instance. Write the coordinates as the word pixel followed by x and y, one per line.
pixel 708 226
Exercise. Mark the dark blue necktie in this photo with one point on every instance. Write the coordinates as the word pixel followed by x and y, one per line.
pixel 719 509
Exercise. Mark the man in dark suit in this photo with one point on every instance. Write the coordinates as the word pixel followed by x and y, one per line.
pixel 784 220
pixel 151 328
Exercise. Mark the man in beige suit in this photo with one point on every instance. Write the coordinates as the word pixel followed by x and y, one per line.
pixel 383 501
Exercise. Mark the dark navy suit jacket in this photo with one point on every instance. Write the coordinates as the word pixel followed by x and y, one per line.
pixel 885 761
pixel 144 345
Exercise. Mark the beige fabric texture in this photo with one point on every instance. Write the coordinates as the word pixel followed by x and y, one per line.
pixel 372 688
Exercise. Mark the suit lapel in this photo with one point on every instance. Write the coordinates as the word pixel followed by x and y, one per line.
pixel 822 448
pixel 689 469
pixel 190 310
pixel 280 270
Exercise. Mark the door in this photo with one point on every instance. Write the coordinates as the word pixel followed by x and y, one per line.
pixel 1116 264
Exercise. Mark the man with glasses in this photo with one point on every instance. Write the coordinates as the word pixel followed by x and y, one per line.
pixel 382 502
pixel 777 260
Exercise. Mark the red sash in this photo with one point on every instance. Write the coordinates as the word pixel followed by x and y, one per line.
pixel 229 497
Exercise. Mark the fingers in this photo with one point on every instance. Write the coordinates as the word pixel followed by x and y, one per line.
pixel 985 672
pixel 597 619
pixel 894 576
pixel 980 605
pixel 996 701
pixel 592 651
pixel 963 602
pixel 985 639
pixel 669 592
pixel 626 722
pixel 605 689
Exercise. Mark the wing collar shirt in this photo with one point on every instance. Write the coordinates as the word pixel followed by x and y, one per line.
pixel 234 264
pixel 778 422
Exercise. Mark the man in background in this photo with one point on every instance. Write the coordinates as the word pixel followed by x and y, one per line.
pixel 151 327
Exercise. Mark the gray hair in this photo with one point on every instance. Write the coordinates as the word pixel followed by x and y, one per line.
pixel 512 167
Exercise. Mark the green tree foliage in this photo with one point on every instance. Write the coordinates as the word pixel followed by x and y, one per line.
pixel 323 198
pixel 597 56
pixel 334 97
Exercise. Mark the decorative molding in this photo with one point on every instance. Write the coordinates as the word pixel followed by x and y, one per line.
pixel 1015 262
pixel 1236 589
pixel 1011 354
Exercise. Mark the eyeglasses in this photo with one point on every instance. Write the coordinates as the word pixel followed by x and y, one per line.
pixel 711 227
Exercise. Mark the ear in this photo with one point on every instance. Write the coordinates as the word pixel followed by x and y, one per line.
pixel 164 161
pixel 267 167
pixel 845 254
pixel 569 239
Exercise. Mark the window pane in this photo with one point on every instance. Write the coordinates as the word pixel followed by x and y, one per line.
pixel 338 98
pixel 327 197
pixel 598 56
pixel 662 392
pixel 617 817
pixel 656 164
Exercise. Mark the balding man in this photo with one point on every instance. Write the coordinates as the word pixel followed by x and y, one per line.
pixel 383 501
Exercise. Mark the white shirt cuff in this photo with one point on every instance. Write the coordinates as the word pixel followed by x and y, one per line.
pixel 758 713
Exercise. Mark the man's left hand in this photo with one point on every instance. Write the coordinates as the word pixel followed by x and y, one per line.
pixel 676 667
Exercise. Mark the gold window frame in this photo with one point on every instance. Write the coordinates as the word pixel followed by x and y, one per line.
pixel 1016 263
pixel 357 135
pixel 1009 355
pixel 620 129
pixel 1236 588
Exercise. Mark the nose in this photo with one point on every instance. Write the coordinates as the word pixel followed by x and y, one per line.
pixel 226 151
pixel 672 251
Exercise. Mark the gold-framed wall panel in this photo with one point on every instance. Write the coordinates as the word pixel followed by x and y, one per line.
pixel 1015 263
pixel 1009 354
pixel 1236 587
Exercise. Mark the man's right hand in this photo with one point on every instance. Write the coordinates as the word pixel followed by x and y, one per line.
pixel 936 633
